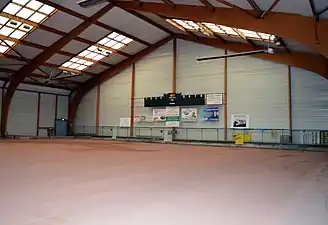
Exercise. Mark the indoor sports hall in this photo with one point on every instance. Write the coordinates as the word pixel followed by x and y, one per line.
pixel 168 112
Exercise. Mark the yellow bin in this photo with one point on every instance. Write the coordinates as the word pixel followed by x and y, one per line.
pixel 239 140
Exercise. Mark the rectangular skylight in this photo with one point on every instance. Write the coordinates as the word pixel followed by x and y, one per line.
pixel 222 30
pixel 94 53
pixel 30 10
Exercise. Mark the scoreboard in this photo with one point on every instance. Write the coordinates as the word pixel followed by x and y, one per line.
pixel 174 99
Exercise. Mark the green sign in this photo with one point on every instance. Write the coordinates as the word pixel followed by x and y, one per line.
pixel 173 118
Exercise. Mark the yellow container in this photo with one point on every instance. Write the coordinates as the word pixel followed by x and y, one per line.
pixel 239 140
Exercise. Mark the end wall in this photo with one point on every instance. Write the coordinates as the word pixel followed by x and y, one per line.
pixel 255 87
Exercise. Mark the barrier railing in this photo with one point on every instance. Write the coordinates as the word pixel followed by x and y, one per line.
pixel 261 136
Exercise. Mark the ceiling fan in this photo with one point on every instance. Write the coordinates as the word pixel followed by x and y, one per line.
pixel 261 51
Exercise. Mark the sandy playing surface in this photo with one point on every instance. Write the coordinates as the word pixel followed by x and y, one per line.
pixel 86 182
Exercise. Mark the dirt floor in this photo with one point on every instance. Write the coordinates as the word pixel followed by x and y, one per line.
pixel 89 182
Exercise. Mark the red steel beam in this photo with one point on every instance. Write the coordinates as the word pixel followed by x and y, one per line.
pixel 287 25
pixel 18 77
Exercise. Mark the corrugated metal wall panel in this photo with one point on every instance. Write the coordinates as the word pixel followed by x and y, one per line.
pixel 86 113
pixel 195 77
pixel 153 77
pixel 309 100
pixel 198 77
pixel 259 89
pixel 22 119
pixel 115 98
pixel 47 110
pixel 62 107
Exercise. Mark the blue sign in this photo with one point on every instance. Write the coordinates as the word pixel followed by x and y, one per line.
pixel 210 114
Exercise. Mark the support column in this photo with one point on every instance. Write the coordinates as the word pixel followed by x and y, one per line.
pixel 133 74
pixel 225 78
pixel 290 112
pixel 38 115
pixel 174 67
pixel 98 110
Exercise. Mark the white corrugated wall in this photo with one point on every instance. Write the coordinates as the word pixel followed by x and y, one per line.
pixel 259 89
pixel 153 78
pixel 22 118
pixel 115 95
pixel 195 77
pixel 198 77
pixel 309 100
pixel 85 121
pixel 47 113
pixel 62 107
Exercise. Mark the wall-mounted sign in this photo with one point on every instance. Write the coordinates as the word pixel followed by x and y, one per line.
pixel 172 116
pixel 189 114
pixel 125 122
pixel 214 99
pixel 159 115
pixel 210 113
pixel 240 121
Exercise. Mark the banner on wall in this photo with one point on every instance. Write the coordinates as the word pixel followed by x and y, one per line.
pixel 210 113
pixel 172 116
pixel 125 122
pixel 159 115
pixel 239 121
pixel 214 99
pixel 189 114
pixel 143 119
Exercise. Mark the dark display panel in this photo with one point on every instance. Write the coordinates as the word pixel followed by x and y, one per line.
pixel 174 99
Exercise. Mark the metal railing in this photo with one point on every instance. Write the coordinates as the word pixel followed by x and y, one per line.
pixel 259 136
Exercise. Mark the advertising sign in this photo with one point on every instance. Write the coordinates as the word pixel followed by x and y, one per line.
pixel 189 114
pixel 172 116
pixel 240 121
pixel 214 99
pixel 159 115
pixel 210 114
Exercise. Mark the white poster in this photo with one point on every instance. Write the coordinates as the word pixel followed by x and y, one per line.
pixel 125 122
pixel 240 121
pixel 172 116
pixel 189 114
pixel 214 99
pixel 143 119
pixel 159 115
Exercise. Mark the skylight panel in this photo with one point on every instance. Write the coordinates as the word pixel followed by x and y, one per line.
pixel 3 20
pixel 11 24
pixel 205 28
pixel 34 5
pixel 3 49
pixel 37 17
pixel 118 46
pixel 113 35
pixel 21 2
pixel 17 34
pixel 12 9
pixel 6 31
pixel 99 57
pixel 127 41
pixel 46 9
pixel 94 53
pixel 14 24
pixel 25 13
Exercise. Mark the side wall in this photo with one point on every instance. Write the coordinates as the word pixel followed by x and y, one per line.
pixel 33 109
pixel 255 87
